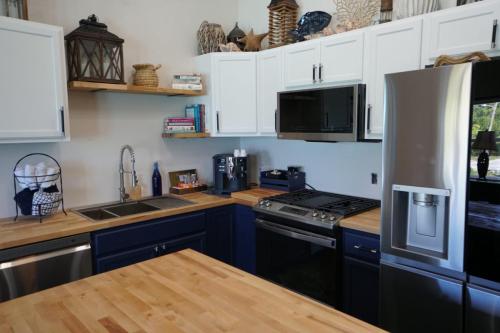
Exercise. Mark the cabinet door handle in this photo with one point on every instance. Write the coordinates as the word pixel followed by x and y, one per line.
pixel 218 126
pixel 314 73
pixel 320 72
pixel 156 249
pixel 494 34
pixel 276 120
pixel 61 109
pixel 368 117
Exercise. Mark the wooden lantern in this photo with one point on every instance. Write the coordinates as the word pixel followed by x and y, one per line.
pixel 282 19
pixel 94 54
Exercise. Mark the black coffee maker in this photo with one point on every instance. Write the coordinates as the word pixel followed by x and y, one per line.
pixel 230 173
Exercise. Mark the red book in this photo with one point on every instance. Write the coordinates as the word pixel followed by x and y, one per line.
pixel 181 120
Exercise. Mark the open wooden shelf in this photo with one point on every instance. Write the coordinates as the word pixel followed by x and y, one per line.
pixel 185 135
pixel 130 89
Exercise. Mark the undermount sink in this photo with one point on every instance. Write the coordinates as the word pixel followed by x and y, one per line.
pixel 110 211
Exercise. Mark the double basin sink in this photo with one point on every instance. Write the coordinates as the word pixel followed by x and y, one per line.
pixel 114 210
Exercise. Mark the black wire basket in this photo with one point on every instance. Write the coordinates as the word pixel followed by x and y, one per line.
pixel 38 195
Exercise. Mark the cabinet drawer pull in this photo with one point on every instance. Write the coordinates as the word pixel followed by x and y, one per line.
pixel 368 117
pixel 314 73
pixel 494 34
pixel 276 120
pixel 362 248
pixel 374 251
pixel 357 247
pixel 156 249
pixel 61 109
pixel 218 126
pixel 320 72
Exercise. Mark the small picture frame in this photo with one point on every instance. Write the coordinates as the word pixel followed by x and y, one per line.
pixel 14 8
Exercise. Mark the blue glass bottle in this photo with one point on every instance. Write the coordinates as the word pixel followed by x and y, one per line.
pixel 157 190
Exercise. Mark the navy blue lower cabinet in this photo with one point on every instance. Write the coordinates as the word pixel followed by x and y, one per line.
pixel 124 258
pixel 220 223
pixel 194 242
pixel 361 288
pixel 244 239
pixel 361 270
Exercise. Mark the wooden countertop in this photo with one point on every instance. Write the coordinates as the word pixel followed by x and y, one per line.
pixel 368 221
pixel 181 292
pixel 28 231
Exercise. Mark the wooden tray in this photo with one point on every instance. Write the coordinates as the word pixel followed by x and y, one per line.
pixel 181 191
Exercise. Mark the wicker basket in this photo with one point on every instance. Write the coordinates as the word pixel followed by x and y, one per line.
pixel 145 75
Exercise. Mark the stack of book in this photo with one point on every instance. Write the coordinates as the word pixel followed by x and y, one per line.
pixel 179 125
pixel 197 112
pixel 187 82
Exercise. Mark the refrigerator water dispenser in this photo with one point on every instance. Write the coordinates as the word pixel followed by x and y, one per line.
pixel 424 220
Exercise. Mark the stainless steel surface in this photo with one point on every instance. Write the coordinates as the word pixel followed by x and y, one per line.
pixel 426 146
pixel 297 234
pixel 114 210
pixel 482 310
pixel 43 265
pixel 417 301
pixel 424 199
pixel 123 194
pixel 311 218
pixel 335 137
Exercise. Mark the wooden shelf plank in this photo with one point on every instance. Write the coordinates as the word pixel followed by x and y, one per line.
pixel 185 135
pixel 130 89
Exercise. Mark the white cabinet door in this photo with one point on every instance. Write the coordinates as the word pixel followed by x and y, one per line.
pixel 391 48
pixel 461 30
pixel 235 91
pixel 342 57
pixel 33 93
pixel 301 63
pixel 269 83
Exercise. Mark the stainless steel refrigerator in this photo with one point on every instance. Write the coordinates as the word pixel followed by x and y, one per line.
pixel 426 147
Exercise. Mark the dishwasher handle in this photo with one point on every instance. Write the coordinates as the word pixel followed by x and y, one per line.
pixel 297 234
pixel 43 256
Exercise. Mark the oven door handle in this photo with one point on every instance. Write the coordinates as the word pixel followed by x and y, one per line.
pixel 297 234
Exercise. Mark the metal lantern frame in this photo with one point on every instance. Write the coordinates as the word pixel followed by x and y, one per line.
pixel 94 54
pixel 283 16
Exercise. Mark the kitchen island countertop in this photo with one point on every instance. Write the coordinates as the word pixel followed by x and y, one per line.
pixel 181 292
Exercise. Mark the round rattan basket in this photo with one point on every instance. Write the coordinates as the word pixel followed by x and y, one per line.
pixel 145 75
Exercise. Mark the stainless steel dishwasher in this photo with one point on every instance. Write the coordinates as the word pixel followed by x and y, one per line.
pixel 35 267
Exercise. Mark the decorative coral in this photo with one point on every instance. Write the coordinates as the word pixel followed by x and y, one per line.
pixel 356 14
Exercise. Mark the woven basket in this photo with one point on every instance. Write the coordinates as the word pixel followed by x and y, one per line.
pixel 145 75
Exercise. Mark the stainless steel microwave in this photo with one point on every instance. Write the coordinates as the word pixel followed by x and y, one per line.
pixel 326 114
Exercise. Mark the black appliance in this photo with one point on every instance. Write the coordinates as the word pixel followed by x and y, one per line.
pixel 230 173
pixel 285 180
pixel 440 265
pixel 297 241
pixel 326 114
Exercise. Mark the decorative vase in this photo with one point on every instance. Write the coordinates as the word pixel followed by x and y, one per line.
pixel 235 36
pixel 407 8
pixel 210 35
pixel 145 75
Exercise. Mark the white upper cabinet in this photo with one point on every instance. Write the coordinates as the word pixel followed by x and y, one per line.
pixel 461 30
pixel 231 100
pixel 390 48
pixel 342 57
pixel 301 63
pixel 269 83
pixel 33 93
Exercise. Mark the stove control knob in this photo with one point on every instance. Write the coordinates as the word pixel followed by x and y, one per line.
pixel 333 218
pixel 268 203
pixel 315 213
pixel 323 216
pixel 262 203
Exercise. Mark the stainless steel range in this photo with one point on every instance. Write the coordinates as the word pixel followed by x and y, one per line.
pixel 298 237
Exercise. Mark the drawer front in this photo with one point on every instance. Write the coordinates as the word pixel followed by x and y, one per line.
pixel 362 246
pixel 140 234
pixel 123 259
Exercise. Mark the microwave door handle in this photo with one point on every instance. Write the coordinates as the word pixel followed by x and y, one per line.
pixel 295 234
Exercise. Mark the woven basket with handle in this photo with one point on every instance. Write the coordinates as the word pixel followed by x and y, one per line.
pixel 145 75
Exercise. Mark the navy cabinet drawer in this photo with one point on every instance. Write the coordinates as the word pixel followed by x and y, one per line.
pixel 362 245
pixel 140 234
pixel 122 259
pixel 194 242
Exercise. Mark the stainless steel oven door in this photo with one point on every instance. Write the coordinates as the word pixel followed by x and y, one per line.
pixel 298 260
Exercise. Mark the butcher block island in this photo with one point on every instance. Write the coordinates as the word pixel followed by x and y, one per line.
pixel 182 292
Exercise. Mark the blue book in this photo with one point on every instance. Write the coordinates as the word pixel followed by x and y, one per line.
pixel 190 111
pixel 197 118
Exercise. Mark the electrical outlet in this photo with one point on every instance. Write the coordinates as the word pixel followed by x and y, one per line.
pixel 374 178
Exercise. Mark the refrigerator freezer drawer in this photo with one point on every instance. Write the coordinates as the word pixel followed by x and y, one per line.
pixel 482 312
pixel 418 301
